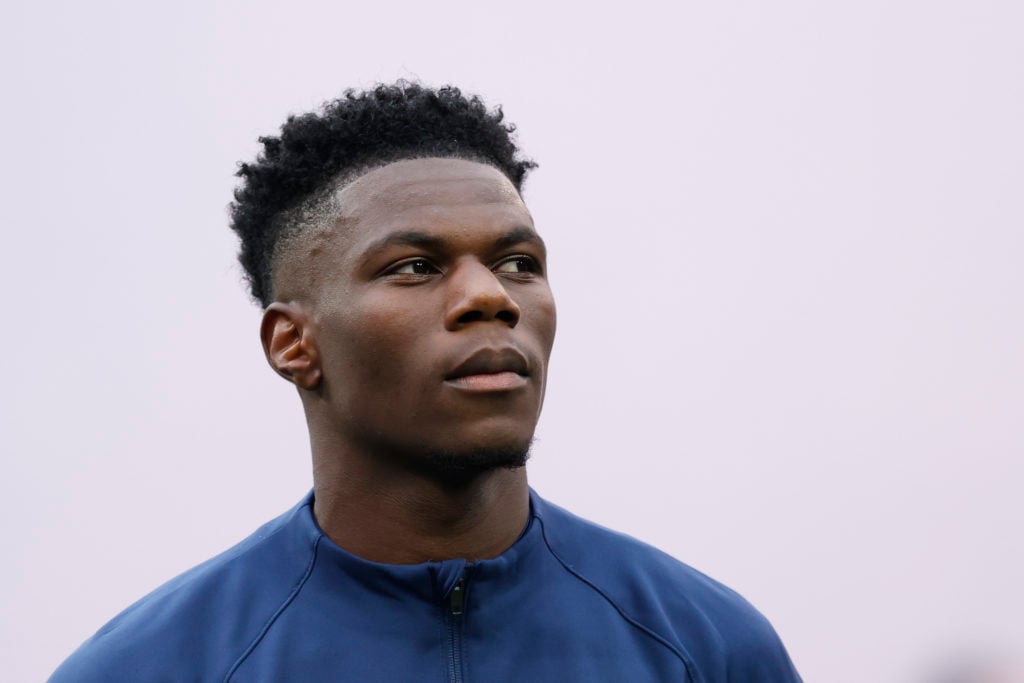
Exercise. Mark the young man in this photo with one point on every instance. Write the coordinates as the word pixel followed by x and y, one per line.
pixel 406 298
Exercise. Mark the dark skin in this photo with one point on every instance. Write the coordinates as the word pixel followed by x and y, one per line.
pixel 417 328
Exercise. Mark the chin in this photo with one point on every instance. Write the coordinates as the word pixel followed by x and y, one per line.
pixel 467 462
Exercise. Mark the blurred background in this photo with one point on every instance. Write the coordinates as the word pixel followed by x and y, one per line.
pixel 785 238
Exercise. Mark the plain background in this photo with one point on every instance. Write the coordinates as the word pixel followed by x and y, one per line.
pixel 786 242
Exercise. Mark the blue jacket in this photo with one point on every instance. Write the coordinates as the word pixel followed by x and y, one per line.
pixel 569 601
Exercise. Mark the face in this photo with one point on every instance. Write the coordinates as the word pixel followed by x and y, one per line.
pixel 430 313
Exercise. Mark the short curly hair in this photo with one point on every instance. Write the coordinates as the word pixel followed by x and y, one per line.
pixel 348 136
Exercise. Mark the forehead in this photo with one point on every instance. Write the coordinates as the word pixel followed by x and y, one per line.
pixel 456 199
pixel 418 185
pixel 464 204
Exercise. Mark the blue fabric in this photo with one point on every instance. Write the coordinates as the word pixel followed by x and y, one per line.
pixel 569 601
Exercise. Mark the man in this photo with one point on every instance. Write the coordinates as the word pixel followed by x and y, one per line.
pixel 405 296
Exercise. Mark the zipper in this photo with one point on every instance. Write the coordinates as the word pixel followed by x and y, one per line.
pixel 453 618
pixel 457 599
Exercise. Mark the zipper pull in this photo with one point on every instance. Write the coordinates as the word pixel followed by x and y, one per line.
pixel 457 598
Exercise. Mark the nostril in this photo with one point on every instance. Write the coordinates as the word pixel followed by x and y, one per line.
pixel 507 316
pixel 471 316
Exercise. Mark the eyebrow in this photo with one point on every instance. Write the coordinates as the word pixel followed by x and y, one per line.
pixel 518 236
pixel 406 238
pixel 414 238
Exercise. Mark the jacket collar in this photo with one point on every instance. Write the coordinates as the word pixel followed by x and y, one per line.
pixel 431 581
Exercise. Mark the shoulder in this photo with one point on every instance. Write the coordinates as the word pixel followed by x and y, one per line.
pixel 708 623
pixel 198 624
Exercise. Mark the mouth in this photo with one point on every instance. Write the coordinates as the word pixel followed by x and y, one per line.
pixel 490 370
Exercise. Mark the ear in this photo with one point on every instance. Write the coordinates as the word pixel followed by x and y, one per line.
pixel 289 344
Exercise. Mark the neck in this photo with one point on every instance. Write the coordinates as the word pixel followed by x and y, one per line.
pixel 394 515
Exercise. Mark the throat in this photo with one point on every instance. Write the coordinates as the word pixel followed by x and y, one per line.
pixel 410 520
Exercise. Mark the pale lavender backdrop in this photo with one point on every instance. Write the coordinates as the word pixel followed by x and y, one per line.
pixel 786 240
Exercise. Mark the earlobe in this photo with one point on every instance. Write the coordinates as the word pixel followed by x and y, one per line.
pixel 289 344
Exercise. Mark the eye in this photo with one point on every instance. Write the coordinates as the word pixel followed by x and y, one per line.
pixel 518 264
pixel 414 267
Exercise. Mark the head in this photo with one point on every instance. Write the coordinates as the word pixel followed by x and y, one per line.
pixel 403 282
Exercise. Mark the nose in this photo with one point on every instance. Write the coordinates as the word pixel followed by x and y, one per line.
pixel 476 294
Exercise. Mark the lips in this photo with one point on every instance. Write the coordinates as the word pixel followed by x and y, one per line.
pixel 491 362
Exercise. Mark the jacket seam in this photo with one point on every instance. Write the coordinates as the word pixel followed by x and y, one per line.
pixel 622 613
pixel 165 591
pixel 280 610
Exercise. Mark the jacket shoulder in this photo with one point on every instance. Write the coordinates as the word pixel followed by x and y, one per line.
pixel 713 627
pixel 197 625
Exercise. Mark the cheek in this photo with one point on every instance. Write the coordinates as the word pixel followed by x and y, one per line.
pixel 540 315
pixel 371 345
